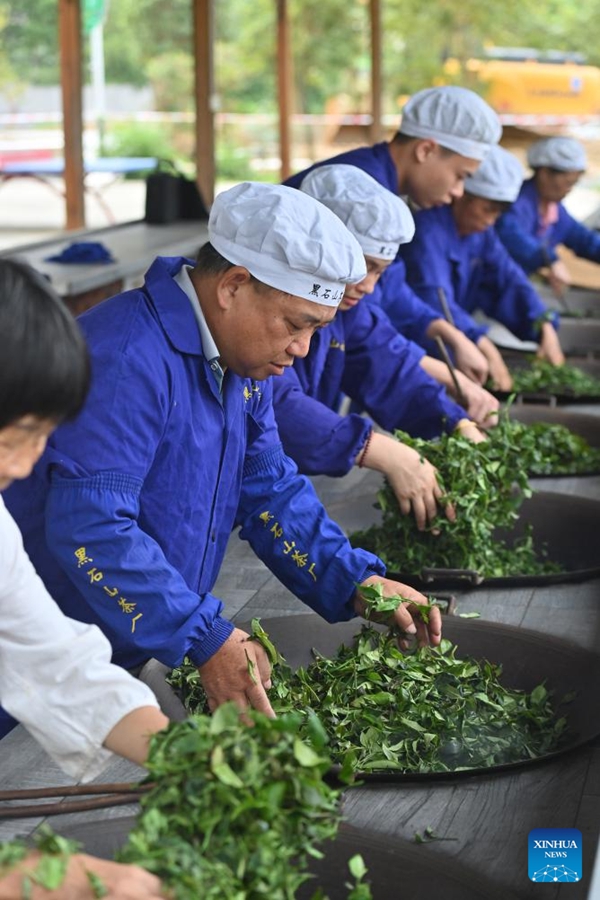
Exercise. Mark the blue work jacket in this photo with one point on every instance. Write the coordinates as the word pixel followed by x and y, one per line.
pixel 129 511
pixel 361 354
pixel 406 311
pixel 521 233
pixel 475 272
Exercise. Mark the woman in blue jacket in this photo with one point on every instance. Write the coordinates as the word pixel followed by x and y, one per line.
pixel 361 354
pixel 538 222
pixel 457 258
pixel 444 134
pixel 132 506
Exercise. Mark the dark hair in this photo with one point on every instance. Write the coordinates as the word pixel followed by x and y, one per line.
pixel 44 363
pixel 210 262
pixel 554 171
pixel 501 206
pixel 400 138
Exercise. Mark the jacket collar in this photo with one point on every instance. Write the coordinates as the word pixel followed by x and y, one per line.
pixel 172 306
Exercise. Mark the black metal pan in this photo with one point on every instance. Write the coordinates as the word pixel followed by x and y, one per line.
pixel 566 526
pixel 396 867
pixel 518 360
pixel 586 426
pixel 527 659
pixel 579 337
pixel 576 301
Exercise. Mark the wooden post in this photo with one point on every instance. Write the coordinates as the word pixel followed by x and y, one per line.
pixel 375 15
pixel 284 86
pixel 71 77
pixel 203 37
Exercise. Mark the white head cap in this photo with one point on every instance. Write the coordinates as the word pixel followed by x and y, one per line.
pixel 286 240
pixel 378 219
pixel 455 117
pixel 561 153
pixel 499 177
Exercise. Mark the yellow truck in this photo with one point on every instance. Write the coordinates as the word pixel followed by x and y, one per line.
pixel 531 87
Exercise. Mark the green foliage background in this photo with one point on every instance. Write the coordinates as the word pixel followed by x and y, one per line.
pixel 331 42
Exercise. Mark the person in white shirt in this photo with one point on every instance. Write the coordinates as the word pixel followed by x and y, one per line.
pixel 56 677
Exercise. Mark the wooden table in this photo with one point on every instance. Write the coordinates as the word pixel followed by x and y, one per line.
pixel 489 818
pixel 134 245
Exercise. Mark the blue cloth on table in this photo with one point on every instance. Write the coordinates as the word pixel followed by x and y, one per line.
pixel 83 252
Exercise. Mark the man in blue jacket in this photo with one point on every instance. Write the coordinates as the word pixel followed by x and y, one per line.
pixel 132 505
pixel 537 222
pixel 456 254
pixel 444 134
pixel 361 354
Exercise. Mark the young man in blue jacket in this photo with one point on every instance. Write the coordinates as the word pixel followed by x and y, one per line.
pixel 537 222
pixel 457 253
pixel 444 134
pixel 361 354
pixel 132 506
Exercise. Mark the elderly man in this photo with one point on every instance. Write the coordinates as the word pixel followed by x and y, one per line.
pixel 444 134
pixel 361 354
pixel 537 222
pixel 457 254
pixel 134 503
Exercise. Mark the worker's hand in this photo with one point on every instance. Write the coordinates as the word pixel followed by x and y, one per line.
pixel 558 277
pixel 480 404
pixel 412 478
pixel 122 882
pixel 238 671
pixel 549 348
pixel 499 374
pixel 469 430
pixel 406 617
pixel 468 358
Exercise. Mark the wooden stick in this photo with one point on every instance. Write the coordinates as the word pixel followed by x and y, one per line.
pixel 445 307
pixel 41 810
pixel 446 357
pixel 73 790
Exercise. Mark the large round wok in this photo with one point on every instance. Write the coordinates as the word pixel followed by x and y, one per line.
pixel 527 659
pixel 586 426
pixel 396 867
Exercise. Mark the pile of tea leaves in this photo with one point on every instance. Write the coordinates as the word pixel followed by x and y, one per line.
pixel 486 483
pixel 554 449
pixel 237 811
pixel 425 710
pixel 542 377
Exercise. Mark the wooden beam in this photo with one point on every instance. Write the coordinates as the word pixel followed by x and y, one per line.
pixel 71 78
pixel 284 86
pixel 375 16
pixel 203 39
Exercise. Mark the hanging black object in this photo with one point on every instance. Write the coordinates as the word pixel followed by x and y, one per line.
pixel 170 196
pixel 191 204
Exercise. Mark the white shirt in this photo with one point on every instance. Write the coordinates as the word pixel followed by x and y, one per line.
pixel 56 677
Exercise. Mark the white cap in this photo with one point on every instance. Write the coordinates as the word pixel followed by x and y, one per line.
pixel 455 117
pixel 499 177
pixel 378 219
pixel 561 153
pixel 286 240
